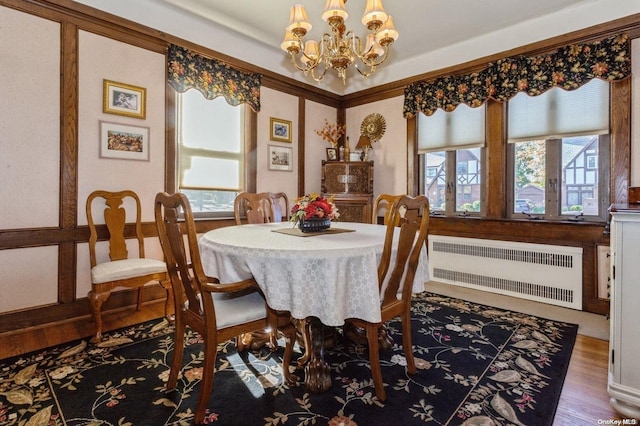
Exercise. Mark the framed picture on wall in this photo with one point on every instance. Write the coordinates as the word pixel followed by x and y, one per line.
pixel 124 142
pixel 124 99
pixel 280 158
pixel 280 130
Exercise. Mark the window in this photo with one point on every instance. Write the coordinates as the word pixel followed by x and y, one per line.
pixel 451 146
pixel 210 135
pixel 558 144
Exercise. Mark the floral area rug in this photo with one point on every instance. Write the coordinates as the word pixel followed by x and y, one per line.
pixel 476 366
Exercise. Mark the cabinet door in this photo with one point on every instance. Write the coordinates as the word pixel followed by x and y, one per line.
pixel 347 177
pixel 354 209
pixel 360 178
pixel 334 177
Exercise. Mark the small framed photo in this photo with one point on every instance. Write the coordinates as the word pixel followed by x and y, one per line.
pixel 332 154
pixel 280 158
pixel 280 130
pixel 124 99
pixel 124 142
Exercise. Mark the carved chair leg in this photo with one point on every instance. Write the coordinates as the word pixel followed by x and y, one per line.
pixel 95 305
pixel 139 304
pixel 206 385
pixel 178 352
pixel 167 303
pixel 374 360
pixel 406 342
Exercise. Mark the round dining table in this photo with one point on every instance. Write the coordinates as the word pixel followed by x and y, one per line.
pixel 325 277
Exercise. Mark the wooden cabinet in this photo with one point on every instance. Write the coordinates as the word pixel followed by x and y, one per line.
pixel 624 341
pixel 351 182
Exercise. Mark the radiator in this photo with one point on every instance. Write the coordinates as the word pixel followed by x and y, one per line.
pixel 539 272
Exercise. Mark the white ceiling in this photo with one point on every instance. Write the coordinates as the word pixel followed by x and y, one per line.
pixel 433 33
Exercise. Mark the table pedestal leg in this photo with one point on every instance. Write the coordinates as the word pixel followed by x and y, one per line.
pixel 359 335
pixel 317 371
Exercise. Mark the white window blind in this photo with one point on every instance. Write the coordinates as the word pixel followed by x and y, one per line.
pixel 559 113
pixel 461 128
pixel 210 134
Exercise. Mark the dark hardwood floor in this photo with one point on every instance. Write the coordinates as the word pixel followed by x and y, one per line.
pixel 584 400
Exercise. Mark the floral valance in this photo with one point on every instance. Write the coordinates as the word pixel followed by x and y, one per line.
pixel 569 68
pixel 187 70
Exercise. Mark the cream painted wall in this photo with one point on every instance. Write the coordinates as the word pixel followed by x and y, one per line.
pixel 389 154
pixel 29 154
pixel 315 148
pixel 30 121
pixel 285 107
pixel 102 58
pixel 31 271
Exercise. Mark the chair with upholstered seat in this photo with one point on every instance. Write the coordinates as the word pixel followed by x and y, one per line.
pixel 121 269
pixel 395 279
pixel 383 202
pixel 217 311
pixel 253 207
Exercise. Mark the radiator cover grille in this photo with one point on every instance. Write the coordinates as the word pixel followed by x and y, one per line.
pixel 544 273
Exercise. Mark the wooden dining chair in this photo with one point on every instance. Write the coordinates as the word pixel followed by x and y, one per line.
pixel 121 269
pixel 217 311
pixel 253 207
pixel 281 208
pixel 383 202
pixel 412 215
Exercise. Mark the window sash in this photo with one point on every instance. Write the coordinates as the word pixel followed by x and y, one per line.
pixel 558 113
pixel 461 128
pixel 210 152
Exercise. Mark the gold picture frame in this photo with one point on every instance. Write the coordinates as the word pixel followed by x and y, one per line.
pixel 124 99
pixel 280 130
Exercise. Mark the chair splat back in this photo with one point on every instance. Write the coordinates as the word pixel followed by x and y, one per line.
pixel 412 218
pixel 183 263
pixel 115 221
pixel 257 208
pixel 384 202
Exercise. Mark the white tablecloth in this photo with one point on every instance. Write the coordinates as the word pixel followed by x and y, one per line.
pixel 330 276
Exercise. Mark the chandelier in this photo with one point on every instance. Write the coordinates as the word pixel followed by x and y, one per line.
pixel 340 49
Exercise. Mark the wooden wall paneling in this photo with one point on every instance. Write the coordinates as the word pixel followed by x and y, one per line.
pixel 413 158
pixel 620 140
pixel 302 143
pixel 539 231
pixel 590 300
pixel 170 143
pixel 495 173
pixel 67 259
pixel 251 163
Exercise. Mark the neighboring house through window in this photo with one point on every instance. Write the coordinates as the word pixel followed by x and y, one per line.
pixel 451 146
pixel 559 152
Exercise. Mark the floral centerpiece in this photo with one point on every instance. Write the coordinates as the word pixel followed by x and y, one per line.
pixel 314 212
pixel 331 132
